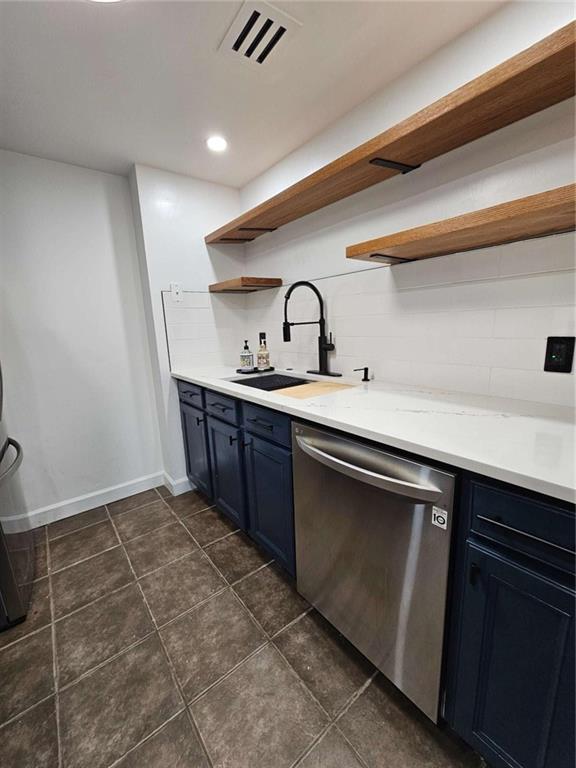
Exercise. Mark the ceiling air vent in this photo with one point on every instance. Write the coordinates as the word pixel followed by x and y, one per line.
pixel 257 33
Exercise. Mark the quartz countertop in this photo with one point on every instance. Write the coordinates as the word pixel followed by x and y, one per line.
pixel 524 443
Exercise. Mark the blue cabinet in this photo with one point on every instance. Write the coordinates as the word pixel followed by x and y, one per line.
pixel 196 448
pixel 227 462
pixel 511 655
pixel 517 635
pixel 270 505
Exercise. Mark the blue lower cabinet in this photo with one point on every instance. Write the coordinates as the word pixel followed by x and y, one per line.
pixel 227 462
pixel 514 697
pixel 196 448
pixel 269 489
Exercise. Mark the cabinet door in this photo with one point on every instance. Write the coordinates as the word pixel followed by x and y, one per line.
pixel 225 443
pixel 270 504
pixel 515 690
pixel 196 448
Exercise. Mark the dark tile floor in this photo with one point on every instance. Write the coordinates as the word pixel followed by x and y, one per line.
pixel 160 637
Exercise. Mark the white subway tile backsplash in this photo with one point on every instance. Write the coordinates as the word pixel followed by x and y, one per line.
pixel 544 387
pixel 457 378
pixel 471 322
pixel 535 322
pixel 201 315
pixel 189 300
pixel 448 270
pixel 191 331
pixel 534 256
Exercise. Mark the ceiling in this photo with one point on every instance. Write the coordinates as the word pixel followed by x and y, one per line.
pixel 106 85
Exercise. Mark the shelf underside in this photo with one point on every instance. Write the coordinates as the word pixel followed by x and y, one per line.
pixel 546 213
pixel 529 82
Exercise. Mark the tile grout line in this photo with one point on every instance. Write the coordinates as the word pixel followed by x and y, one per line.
pixel 332 719
pixel 146 738
pixel 24 712
pixel 215 541
pixel 270 638
pixel 193 608
pixel 83 560
pixel 173 675
pixel 30 634
pixel 113 657
pixel 333 724
pixel 146 533
pixel 275 647
pixel 55 671
pixel 199 696
pixel 76 530
pixel 98 599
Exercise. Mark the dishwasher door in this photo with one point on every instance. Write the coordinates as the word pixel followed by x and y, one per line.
pixel 372 552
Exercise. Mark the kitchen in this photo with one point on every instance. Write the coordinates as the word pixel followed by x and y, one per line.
pixel 287 457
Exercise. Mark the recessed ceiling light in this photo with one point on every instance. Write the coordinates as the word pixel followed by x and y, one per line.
pixel 217 143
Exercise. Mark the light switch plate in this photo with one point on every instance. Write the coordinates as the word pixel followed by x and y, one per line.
pixel 176 291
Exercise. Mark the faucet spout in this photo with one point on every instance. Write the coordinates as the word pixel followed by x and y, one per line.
pixel 324 346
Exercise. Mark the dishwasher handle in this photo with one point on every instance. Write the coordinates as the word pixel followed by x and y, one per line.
pixel 426 493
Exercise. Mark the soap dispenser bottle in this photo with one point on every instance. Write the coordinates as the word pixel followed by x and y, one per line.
pixel 246 358
pixel 263 354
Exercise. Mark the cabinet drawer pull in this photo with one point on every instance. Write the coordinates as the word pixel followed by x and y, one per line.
pixel 221 406
pixel 500 524
pixel 232 440
pixel 475 572
pixel 199 421
pixel 263 424
pixel 189 393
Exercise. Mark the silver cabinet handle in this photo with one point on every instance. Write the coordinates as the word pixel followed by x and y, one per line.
pixel 523 533
pixel 390 484
pixel 17 459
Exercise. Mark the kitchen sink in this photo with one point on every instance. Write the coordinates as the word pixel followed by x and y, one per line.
pixel 271 381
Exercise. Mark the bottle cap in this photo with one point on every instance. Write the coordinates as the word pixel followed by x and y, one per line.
pixel 246 344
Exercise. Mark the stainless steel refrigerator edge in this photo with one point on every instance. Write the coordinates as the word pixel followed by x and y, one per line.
pixel 16 547
pixel 372 551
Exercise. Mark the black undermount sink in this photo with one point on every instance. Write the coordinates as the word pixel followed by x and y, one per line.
pixel 271 382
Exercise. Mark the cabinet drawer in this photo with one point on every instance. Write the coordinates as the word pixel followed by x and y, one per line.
pixel 529 526
pixel 222 406
pixel 191 394
pixel 272 425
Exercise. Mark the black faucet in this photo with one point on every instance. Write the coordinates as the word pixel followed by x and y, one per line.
pixel 324 345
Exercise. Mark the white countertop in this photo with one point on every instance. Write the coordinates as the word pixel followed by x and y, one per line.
pixel 527 444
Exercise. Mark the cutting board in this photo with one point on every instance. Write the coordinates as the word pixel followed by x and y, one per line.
pixel 313 389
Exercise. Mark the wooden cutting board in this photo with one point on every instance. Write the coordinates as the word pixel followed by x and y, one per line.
pixel 313 389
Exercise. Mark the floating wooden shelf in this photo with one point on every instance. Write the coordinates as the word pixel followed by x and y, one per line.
pixel 534 79
pixel 245 285
pixel 546 213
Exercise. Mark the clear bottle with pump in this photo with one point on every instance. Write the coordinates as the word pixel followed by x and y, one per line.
pixel 263 359
pixel 246 358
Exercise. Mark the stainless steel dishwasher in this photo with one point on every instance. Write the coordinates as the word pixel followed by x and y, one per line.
pixel 372 550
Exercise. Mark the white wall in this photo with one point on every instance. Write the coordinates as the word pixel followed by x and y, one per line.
pixel 173 215
pixel 77 372
pixel 474 322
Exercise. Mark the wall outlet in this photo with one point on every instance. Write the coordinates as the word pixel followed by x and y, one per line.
pixel 176 291
pixel 559 354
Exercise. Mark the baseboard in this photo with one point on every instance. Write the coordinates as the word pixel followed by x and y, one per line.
pixel 176 487
pixel 50 514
